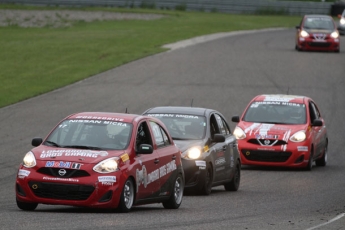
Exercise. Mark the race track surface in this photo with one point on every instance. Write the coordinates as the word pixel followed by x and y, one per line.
pixel 223 74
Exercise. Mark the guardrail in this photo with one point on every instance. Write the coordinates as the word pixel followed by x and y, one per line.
pixel 224 6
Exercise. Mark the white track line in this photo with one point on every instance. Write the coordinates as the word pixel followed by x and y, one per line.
pixel 328 222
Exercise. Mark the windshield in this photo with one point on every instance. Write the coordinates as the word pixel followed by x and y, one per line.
pixel 183 126
pixel 90 134
pixel 320 23
pixel 276 113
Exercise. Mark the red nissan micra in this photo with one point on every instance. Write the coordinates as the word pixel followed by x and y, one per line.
pixel 105 160
pixel 282 130
pixel 317 32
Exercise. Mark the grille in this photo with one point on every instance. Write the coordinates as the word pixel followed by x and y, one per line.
pixel 319 44
pixel 70 173
pixel 61 191
pixel 262 141
pixel 266 156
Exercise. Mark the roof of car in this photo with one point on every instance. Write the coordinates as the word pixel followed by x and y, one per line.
pixel 123 117
pixel 179 110
pixel 281 97
pixel 317 15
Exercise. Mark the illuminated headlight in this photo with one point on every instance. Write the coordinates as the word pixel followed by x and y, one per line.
pixel 304 34
pixel 342 21
pixel 298 137
pixel 335 34
pixel 107 166
pixel 29 160
pixel 239 133
pixel 192 153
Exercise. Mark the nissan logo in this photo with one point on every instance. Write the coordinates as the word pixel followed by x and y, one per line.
pixel 267 142
pixel 62 172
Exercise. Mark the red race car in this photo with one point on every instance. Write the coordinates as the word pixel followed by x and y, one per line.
pixel 282 130
pixel 105 160
pixel 317 32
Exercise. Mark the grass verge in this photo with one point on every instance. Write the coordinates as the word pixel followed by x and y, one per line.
pixel 34 61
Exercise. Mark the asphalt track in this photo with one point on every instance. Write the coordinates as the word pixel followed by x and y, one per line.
pixel 223 74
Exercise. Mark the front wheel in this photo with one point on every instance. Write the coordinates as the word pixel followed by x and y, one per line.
pixel 323 160
pixel 26 206
pixel 310 161
pixel 127 196
pixel 207 187
pixel 234 184
pixel 175 199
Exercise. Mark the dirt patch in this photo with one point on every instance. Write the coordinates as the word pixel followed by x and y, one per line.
pixel 64 18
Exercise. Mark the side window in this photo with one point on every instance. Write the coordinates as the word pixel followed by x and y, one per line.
pixel 317 112
pixel 313 114
pixel 213 126
pixel 159 134
pixel 143 135
pixel 222 127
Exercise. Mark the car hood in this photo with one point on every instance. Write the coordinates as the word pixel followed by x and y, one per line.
pixel 270 131
pixel 319 31
pixel 183 145
pixel 46 153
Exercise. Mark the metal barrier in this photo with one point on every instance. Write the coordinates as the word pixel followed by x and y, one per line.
pixel 224 6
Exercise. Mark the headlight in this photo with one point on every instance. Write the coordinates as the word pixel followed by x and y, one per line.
pixel 335 34
pixel 107 166
pixel 29 160
pixel 192 153
pixel 239 133
pixel 342 21
pixel 304 34
pixel 298 137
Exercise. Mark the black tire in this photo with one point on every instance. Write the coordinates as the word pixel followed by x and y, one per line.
pixel 323 160
pixel 175 199
pixel 310 161
pixel 26 206
pixel 127 197
pixel 207 186
pixel 234 184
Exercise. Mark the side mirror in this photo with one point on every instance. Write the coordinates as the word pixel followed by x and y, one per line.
pixel 317 122
pixel 145 149
pixel 218 138
pixel 298 27
pixel 36 141
pixel 235 119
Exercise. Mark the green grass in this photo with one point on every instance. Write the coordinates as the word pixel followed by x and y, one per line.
pixel 34 61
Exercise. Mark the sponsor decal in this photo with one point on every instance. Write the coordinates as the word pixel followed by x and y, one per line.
pixel 125 157
pixel 73 153
pixel 111 179
pixel 100 118
pixel 206 148
pixel 172 115
pixel 220 168
pixel 302 148
pixel 23 173
pixel 62 164
pixel 219 161
pixel 98 122
pixel 200 163
pixel 107 183
pixel 144 178
pixel 60 179
pixel 258 136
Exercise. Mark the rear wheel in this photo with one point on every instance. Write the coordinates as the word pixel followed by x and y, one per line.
pixel 323 160
pixel 207 187
pixel 175 199
pixel 234 184
pixel 26 206
pixel 127 196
